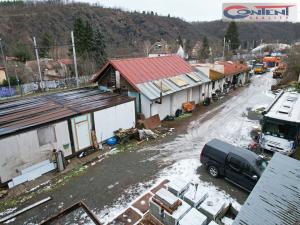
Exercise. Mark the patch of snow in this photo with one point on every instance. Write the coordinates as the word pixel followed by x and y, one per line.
pixel 184 169
pixel 10 221
pixel 38 186
pixel 8 211
pixel 123 202
pixel 227 221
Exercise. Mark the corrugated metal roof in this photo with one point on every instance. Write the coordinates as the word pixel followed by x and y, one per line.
pixel 141 70
pixel 151 91
pixel 23 114
pixel 286 108
pixel 275 199
pixel 232 68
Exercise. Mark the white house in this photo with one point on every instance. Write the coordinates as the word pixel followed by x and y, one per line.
pixel 160 84
pixel 31 128
pixel 223 74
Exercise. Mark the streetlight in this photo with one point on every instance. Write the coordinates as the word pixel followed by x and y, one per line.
pixel 4 62
pixel 156 44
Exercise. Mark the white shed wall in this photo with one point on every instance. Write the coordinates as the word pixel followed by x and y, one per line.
pixel 145 106
pixel 177 99
pixel 162 109
pixel 23 150
pixel 111 119
pixel 196 93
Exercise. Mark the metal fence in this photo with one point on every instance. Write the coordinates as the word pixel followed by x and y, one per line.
pixel 44 86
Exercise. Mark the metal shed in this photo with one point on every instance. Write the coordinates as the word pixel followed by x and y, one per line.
pixel 276 197
pixel 31 128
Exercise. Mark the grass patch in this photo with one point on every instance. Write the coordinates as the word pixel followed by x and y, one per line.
pixel 56 183
pixel 183 116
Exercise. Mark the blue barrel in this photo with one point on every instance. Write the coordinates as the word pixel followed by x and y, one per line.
pixel 111 141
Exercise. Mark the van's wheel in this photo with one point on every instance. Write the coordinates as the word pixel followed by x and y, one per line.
pixel 213 171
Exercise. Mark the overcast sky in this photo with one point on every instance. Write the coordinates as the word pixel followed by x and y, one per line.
pixel 190 10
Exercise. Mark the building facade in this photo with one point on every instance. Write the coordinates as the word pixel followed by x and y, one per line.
pixel 160 85
pixel 31 128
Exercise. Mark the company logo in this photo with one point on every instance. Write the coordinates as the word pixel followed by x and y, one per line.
pixel 259 11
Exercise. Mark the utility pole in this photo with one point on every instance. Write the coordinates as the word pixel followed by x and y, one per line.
pixel 5 65
pixel 74 56
pixel 38 62
pixel 224 42
pixel 260 47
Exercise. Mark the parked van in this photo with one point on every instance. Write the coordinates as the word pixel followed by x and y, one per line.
pixel 239 166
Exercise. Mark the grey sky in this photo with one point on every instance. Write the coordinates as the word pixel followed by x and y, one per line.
pixel 190 10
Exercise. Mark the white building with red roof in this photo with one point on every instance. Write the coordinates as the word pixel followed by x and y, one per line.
pixel 160 84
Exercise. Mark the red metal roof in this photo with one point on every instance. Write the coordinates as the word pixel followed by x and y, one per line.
pixel 141 70
pixel 231 68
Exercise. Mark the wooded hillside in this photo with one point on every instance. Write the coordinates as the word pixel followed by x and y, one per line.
pixel 125 33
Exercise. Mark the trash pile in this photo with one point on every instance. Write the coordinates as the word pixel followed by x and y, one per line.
pixel 125 135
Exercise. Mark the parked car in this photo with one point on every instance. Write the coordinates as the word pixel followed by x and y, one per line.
pixel 239 166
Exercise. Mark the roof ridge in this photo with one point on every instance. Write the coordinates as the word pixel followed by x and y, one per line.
pixel 142 58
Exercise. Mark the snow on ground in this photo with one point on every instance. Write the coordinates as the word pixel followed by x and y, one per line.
pixel 123 202
pixel 8 211
pixel 185 170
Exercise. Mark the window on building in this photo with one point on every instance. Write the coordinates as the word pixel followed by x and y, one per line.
pixel 46 135
pixel 178 81
pixel 161 86
pixel 193 77
pixel 213 85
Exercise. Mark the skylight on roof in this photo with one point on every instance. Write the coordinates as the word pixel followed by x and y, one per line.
pixel 161 86
pixel 193 77
pixel 178 81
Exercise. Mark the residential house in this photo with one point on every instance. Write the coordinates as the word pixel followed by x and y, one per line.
pixel 2 74
pixel 223 74
pixel 275 198
pixel 31 128
pixel 50 69
pixel 160 84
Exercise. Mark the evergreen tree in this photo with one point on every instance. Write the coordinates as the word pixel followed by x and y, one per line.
pixel 22 51
pixel 79 36
pixel 188 46
pixel 100 54
pixel 204 50
pixel 46 43
pixel 180 41
pixel 88 37
pixel 232 36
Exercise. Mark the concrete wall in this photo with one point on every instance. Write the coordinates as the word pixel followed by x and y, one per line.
pixel 23 150
pixel 111 119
